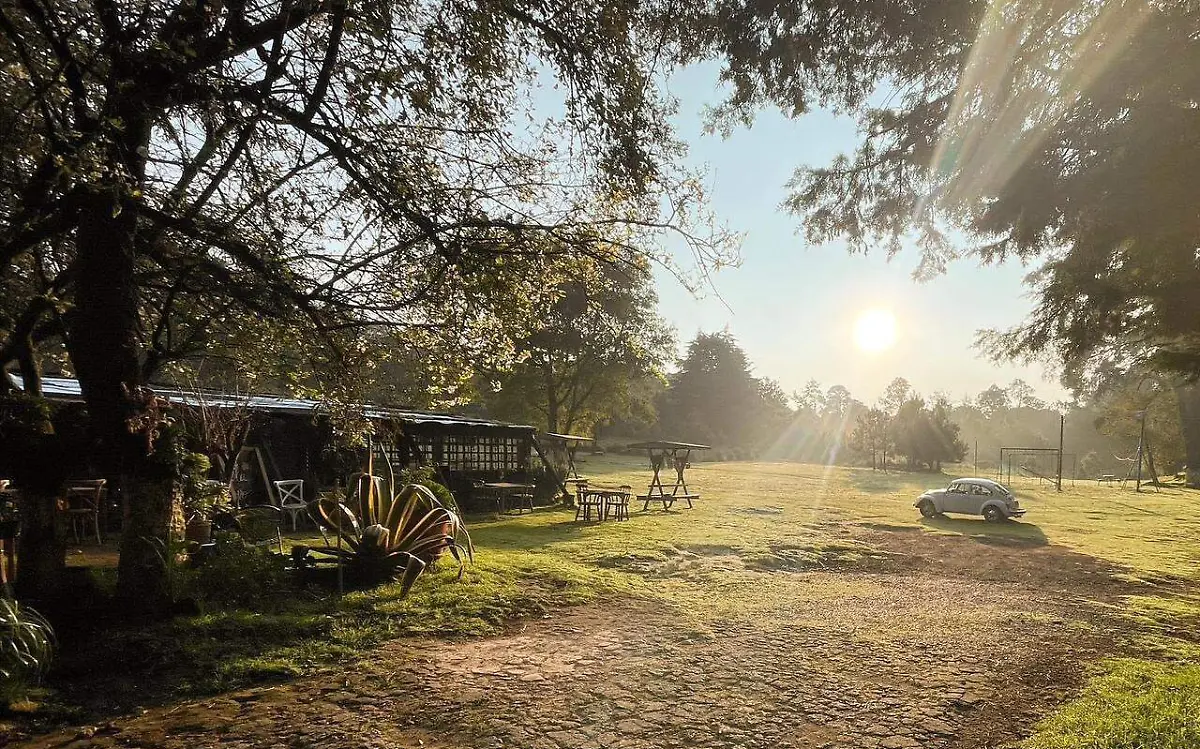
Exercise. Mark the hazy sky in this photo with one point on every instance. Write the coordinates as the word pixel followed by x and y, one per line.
pixel 793 306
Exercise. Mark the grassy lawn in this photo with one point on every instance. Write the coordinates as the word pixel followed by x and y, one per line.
pixel 760 513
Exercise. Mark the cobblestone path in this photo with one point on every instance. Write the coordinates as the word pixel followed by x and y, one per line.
pixel 830 659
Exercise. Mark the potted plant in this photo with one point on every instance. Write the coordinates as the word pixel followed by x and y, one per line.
pixel 200 498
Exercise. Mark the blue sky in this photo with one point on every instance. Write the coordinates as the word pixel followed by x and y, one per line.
pixel 792 306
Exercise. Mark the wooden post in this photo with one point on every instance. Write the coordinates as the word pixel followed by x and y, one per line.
pixel 1141 443
pixel 560 480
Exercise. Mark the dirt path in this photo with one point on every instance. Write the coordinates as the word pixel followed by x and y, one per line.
pixel 916 652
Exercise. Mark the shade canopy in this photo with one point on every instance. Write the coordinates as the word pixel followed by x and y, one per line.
pixel 569 437
pixel 667 445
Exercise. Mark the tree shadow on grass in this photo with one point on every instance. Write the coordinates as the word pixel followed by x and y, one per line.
pixel 548 526
pixel 1007 533
pixel 878 482
pixel 110 662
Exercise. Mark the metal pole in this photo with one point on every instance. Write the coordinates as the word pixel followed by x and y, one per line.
pixel 976 473
pixel 337 501
pixel 1062 421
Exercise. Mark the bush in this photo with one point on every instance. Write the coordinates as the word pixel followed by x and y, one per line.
pixel 239 574
pixel 200 497
pixel 425 476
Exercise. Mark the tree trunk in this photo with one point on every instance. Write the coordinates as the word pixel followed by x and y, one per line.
pixel 1189 420
pixel 104 341
pixel 552 404
pixel 41 547
pixel 42 544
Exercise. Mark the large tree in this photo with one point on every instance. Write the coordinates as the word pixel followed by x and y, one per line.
pixel 925 436
pixel 714 398
pixel 175 170
pixel 870 437
pixel 592 342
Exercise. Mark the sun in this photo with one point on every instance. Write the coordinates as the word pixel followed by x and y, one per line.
pixel 875 331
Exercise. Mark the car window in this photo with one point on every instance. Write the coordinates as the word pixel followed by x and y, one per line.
pixel 957 489
pixel 982 490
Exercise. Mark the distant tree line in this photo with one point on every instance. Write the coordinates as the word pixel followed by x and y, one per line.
pixel 713 397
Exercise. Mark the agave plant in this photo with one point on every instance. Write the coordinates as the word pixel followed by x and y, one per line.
pixel 26 646
pixel 393 537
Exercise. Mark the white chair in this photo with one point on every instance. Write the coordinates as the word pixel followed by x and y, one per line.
pixel 291 498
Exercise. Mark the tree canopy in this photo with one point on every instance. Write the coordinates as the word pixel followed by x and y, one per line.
pixel 1052 129
pixel 714 398
pixel 183 177
pixel 585 353
pixel 1054 132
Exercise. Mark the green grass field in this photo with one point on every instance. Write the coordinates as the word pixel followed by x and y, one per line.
pixel 529 565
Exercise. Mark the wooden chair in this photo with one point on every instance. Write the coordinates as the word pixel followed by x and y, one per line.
pixel 586 501
pixel 8 533
pixel 480 492
pixel 84 499
pixel 291 499
pixel 618 504
pixel 520 502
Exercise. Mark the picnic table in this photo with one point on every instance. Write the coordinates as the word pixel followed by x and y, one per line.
pixel 507 490
pixel 680 454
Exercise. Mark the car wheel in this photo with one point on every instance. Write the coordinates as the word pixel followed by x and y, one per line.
pixel 928 510
pixel 992 514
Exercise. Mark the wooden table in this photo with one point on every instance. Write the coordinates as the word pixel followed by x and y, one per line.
pixel 507 489
pixel 680 454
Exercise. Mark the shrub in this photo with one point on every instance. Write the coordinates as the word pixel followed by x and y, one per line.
pixel 239 574
pixel 427 477
pixel 200 496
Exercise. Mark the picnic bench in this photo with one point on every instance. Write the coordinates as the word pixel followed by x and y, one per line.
pixel 679 454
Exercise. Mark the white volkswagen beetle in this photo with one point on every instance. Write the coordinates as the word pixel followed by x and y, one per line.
pixel 971 496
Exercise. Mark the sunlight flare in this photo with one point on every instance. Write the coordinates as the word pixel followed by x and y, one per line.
pixel 875 331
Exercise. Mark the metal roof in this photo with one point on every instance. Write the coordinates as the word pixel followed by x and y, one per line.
pixel 667 445
pixel 65 388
